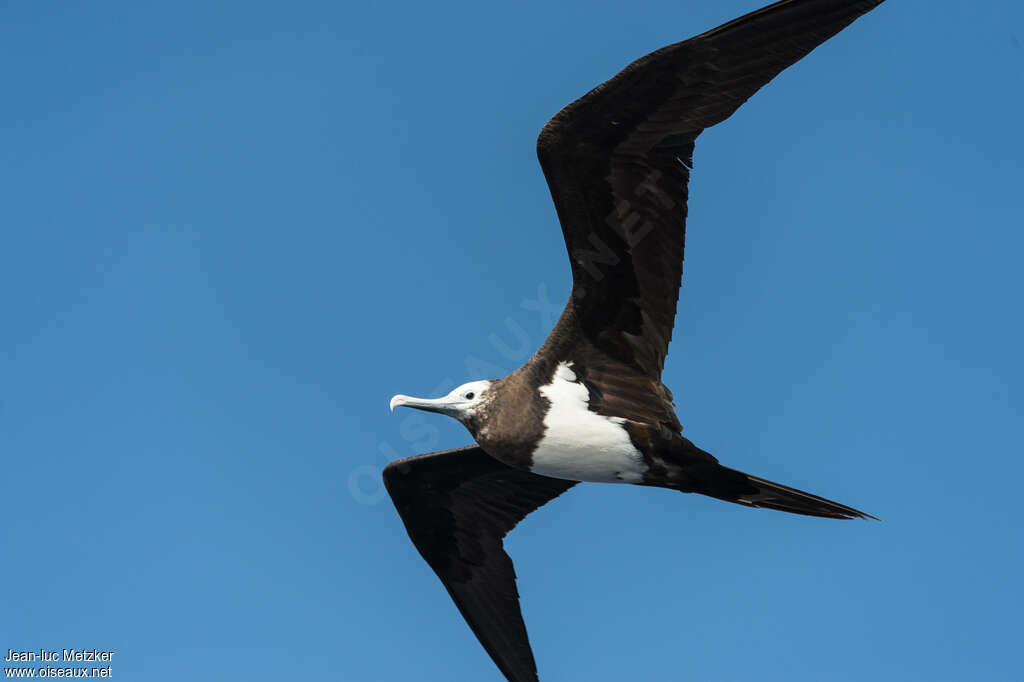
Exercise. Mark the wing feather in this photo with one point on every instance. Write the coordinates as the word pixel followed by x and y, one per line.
pixel 457 505
pixel 618 161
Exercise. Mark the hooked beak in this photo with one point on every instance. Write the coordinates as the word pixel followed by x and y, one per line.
pixel 440 405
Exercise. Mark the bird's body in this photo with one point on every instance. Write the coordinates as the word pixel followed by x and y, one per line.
pixel 579 444
pixel 552 417
pixel 590 404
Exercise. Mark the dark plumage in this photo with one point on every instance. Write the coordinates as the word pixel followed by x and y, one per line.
pixel 457 506
pixel 590 404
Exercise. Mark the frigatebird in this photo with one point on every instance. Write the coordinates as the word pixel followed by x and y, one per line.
pixel 590 404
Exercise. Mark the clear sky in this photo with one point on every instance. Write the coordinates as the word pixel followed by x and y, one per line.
pixel 231 231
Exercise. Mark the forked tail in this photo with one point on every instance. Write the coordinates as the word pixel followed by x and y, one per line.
pixel 735 486
pixel 781 497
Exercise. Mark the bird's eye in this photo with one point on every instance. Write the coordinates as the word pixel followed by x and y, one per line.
pixel 470 395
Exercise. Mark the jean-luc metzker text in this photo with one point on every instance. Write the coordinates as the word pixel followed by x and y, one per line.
pixel 85 655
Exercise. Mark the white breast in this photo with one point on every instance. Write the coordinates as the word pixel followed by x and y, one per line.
pixel 581 445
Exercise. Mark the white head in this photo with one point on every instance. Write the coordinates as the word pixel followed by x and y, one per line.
pixel 460 404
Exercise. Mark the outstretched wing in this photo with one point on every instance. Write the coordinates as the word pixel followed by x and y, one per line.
pixel 618 159
pixel 457 506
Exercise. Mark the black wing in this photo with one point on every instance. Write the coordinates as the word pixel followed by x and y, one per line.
pixel 457 506
pixel 618 159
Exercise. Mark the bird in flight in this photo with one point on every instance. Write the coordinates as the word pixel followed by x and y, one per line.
pixel 590 404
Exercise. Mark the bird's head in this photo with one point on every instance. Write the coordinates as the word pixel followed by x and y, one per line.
pixel 462 404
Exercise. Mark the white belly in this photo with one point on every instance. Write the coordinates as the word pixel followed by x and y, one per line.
pixel 581 445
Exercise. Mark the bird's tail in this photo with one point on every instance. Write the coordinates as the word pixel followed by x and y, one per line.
pixel 735 486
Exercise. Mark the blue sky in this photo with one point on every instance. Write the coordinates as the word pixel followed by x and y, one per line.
pixel 232 231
